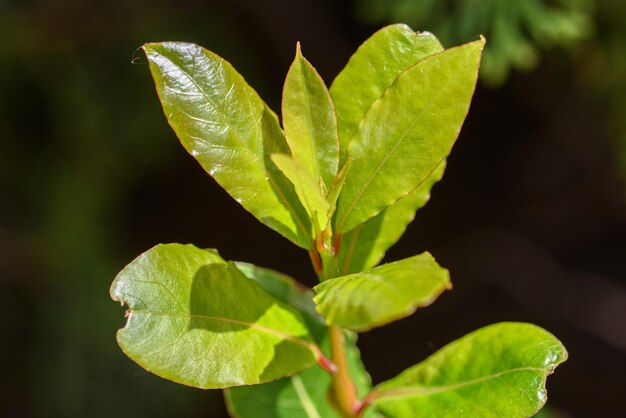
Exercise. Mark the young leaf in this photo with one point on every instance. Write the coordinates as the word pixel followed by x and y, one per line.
pixel 496 372
pixel 197 320
pixel 407 133
pixel 372 69
pixel 310 122
pixel 335 188
pixel 381 295
pixel 304 394
pixel 307 189
pixel 364 246
pixel 226 126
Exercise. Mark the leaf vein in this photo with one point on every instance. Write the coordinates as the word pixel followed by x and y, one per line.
pixel 262 328
pixel 431 390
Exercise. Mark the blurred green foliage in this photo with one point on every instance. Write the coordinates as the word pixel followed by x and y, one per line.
pixel 516 30
pixel 601 68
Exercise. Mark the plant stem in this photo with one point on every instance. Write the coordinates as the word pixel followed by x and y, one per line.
pixel 343 389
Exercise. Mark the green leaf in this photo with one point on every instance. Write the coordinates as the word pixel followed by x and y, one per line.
pixel 372 69
pixel 197 320
pixel 304 394
pixel 307 189
pixel 310 122
pixel 381 295
pixel 364 246
pixel 407 133
pixel 496 372
pixel 226 126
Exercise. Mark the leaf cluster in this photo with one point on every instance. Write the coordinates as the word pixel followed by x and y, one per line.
pixel 342 178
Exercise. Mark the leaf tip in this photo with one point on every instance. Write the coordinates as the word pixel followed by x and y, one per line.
pixel 299 57
pixel 148 46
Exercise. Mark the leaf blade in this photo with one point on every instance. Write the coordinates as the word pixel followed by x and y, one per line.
pixel 408 132
pixel 497 371
pixel 375 297
pixel 372 69
pixel 310 121
pixel 224 124
pixel 185 317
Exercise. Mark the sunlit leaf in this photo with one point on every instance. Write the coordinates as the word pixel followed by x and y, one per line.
pixel 372 69
pixel 304 394
pixel 226 126
pixel 496 372
pixel 364 246
pixel 310 122
pixel 381 295
pixel 407 133
pixel 197 320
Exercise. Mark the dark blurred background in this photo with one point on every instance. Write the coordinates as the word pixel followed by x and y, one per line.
pixel 530 217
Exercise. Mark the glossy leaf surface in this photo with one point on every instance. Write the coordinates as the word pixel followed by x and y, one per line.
pixel 372 69
pixel 310 122
pixel 304 394
pixel 226 126
pixel 197 320
pixel 364 246
pixel 381 295
pixel 307 189
pixel 496 372
pixel 407 133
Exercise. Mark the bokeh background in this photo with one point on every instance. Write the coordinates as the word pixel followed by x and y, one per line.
pixel 530 217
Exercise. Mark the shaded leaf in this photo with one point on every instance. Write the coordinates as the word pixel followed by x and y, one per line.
pixel 288 290
pixel 364 246
pixel 496 372
pixel 307 189
pixel 197 320
pixel 375 297
pixel 372 69
pixel 304 394
pixel 407 133
pixel 310 122
pixel 226 126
